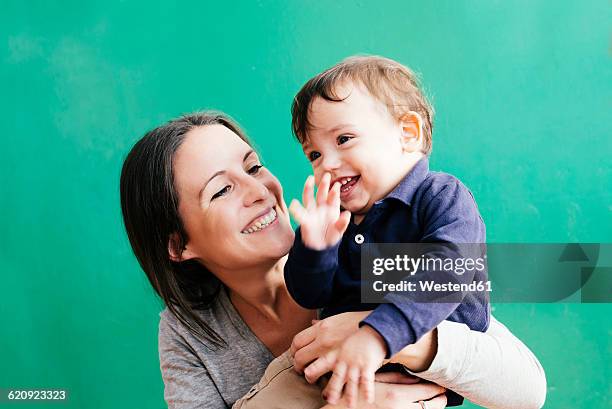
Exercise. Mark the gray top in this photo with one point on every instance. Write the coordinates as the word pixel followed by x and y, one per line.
pixel 199 375
pixel 492 369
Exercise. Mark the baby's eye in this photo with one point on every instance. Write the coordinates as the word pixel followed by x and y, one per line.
pixel 221 192
pixel 253 170
pixel 314 155
pixel 343 139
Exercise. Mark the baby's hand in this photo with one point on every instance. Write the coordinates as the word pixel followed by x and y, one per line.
pixel 356 364
pixel 321 222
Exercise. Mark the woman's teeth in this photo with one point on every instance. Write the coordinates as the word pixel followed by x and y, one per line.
pixel 261 223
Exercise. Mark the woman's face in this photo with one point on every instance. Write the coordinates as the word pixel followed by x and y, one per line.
pixel 232 207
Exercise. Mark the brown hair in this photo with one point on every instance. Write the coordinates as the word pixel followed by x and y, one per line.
pixel 391 83
pixel 149 203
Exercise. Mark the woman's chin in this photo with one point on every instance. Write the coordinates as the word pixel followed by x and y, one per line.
pixel 273 241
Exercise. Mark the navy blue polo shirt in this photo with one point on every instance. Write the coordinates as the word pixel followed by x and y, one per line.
pixel 425 207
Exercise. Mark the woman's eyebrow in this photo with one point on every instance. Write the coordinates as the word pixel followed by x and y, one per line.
pixel 218 173
pixel 221 172
pixel 251 151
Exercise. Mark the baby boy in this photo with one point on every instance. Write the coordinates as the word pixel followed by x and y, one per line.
pixel 366 128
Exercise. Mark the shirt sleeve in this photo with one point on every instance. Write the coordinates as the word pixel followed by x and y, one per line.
pixel 187 384
pixel 493 369
pixel 309 273
pixel 449 215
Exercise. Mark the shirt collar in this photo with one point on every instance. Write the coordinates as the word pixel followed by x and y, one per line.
pixel 404 191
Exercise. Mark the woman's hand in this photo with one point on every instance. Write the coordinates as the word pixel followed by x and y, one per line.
pixel 397 391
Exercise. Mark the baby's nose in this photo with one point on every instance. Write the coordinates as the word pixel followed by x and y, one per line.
pixel 330 163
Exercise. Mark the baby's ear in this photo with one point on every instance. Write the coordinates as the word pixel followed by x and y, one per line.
pixel 176 253
pixel 412 131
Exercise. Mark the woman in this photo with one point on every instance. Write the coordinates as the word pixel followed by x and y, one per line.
pixel 209 227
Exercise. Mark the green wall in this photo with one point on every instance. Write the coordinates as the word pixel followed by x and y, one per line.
pixel 521 90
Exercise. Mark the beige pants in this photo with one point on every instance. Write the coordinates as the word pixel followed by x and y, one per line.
pixel 282 388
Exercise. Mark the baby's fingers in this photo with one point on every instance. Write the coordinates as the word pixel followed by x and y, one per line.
pixel 323 190
pixel 308 193
pixel 298 212
pixel 352 386
pixel 339 227
pixel 343 221
pixel 333 198
pixel 366 384
pixel 334 386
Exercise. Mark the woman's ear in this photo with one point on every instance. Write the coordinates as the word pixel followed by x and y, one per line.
pixel 175 254
pixel 412 131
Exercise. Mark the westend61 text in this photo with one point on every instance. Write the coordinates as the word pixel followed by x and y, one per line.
pixel 432 286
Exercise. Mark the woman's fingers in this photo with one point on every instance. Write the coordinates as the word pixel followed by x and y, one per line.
pixel 425 391
pixel 320 367
pixel 396 377
pixel 438 402
pixel 303 338
pixel 334 386
pixel 308 193
pixel 323 190
pixel 306 356
pixel 396 396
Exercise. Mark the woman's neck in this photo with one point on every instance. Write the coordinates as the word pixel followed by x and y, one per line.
pixel 260 294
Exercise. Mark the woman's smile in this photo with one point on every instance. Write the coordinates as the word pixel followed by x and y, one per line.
pixel 264 220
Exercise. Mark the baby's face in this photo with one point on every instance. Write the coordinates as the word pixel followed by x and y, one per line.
pixel 360 144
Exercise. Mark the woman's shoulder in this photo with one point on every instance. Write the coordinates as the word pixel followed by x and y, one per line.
pixel 221 318
pixel 174 333
pixel 232 368
pixel 216 316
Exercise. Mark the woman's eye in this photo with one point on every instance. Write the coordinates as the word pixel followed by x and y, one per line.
pixel 221 192
pixel 253 170
pixel 343 139
pixel 313 156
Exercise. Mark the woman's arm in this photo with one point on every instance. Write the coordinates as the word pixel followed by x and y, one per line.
pixel 493 369
pixel 187 382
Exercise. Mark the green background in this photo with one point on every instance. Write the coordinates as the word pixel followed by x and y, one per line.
pixel 521 90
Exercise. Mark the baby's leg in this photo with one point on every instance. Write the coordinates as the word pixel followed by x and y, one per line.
pixel 282 388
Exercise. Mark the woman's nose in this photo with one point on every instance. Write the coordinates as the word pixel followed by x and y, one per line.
pixel 255 191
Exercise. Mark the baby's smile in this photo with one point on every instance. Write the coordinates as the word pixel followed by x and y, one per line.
pixel 347 184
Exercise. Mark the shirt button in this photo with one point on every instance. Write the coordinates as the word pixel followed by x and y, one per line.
pixel 359 238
